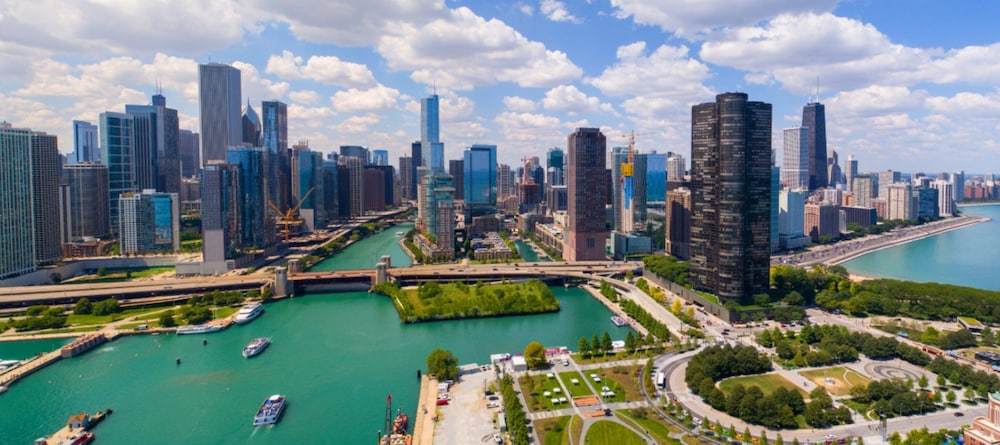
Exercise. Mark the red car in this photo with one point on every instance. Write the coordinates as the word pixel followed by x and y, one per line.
pixel 442 401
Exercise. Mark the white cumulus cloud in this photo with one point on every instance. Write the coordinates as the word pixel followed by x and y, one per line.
pixel 324 69
pixel 693 18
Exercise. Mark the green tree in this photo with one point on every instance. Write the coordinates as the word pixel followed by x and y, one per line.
pixel 778 440
pixel 167 319
pixel 795 441
pixel 606 343
pixel 951 397
pixel 82 307
pixel 106 307
pixel 922 381
pixel 988 337
pixel 442 364
pixel 629 342
pixel 534 355
pixel 930 336
pixel 583 346
pixel 595 345
pixel 941 380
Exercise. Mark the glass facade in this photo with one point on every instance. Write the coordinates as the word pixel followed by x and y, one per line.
pixel 480 179
pixel 656 176
pixel 118 153
pixel 253 228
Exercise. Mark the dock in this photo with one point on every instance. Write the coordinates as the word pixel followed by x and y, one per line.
pixel 33 364
pixel 423 427
pixel 67 432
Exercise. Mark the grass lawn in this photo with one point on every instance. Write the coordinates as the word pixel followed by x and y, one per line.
pixel 578 389
pixel 552 431
pixel 606 432
pixel 456 301
pixel 767 383
pixel 971 322
pixel 581 359
pixel 534 386
pixel 115 275
pixel 623 381
pixel 576 429
pixel 660 429
pixel 90 319
pixel 226 311
pixel 843 379
pixel 67 330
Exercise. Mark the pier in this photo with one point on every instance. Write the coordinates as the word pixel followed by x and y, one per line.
pixel 423 427
pixel 85 422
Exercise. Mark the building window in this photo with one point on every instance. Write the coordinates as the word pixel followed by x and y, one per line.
pixel 590 243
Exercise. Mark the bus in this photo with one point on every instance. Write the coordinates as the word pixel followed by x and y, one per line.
pixel 661 380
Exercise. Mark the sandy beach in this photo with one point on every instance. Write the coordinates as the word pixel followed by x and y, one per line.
pixel 844 251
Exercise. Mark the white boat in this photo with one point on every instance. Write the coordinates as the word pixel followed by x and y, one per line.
pixel 618 321
pixel 270 411
pixel 400 233
pixel 198 329
pixel 249 312
pixel 256 346
pixel 3 389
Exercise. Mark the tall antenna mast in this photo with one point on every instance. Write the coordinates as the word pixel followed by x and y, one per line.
pixel 817 89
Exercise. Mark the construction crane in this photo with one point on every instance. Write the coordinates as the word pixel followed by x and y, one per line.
pixel 627 169
pixel 289 217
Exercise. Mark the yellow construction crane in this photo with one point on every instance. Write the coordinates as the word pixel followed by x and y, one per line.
pixel 289 217
pixel 628 165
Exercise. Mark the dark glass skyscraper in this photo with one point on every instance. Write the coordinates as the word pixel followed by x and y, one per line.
pixel 219 97
pixel 731 196
pixel 274 135
pixel 480 180
pixel 587 192
pixel 814 117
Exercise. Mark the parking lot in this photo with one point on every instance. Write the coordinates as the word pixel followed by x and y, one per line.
pixel 466 418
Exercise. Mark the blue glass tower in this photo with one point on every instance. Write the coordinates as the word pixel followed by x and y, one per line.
pixel 253 229
pixel 480 179
pixel 656 176
pixel 118 153
pixel 430 135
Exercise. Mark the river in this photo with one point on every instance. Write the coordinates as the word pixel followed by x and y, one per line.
pixel 965 257
pixel 335 356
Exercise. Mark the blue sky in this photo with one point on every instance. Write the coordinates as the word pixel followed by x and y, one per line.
pixel 908 85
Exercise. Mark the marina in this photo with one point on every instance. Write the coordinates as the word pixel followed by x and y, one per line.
pixel 198 329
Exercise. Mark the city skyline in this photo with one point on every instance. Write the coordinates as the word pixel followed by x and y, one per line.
pixel 897 96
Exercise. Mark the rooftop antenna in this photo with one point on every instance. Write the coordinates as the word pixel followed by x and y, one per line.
pixel 817 89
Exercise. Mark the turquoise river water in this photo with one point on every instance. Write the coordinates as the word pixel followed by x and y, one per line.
pixel 966 257
pixel 335 356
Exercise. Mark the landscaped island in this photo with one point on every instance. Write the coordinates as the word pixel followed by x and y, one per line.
pixel 446 301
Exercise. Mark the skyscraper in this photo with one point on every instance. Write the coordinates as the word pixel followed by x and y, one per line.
pixel 85 147
pixel 406 176
pixel 833 173
pixel 865 189
pixel 356 171
pixel 505 182
pixel 814 118
pixel 88 200
pixel 190 154
pixel 585 173
pixel 357 151
pixel 430 134
pixel 731 196
pixel 256 229
pixel 656 176
pixel 274 136
pixel 220 214
pixel 851 172
pixel 958 185
pixel 678 221
pixel 150 222
pixel 219 94
pixel 45 196
pixel 620 203
pixel 946 195
pixel 250 126
pixel 156 135
pixel 480 180
pixel 17 243
pixel 380 157
pixel 639 189
pixel 118 153
pixel 456 168
pixel 554 167
pixel 795 159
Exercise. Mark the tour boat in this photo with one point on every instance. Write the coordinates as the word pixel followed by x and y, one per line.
pixel 198 329
pixel 249 312
pixel 270 411
pixel 256 346
pixel 618 321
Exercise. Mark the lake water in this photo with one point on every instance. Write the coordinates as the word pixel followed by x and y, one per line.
pixel 966 257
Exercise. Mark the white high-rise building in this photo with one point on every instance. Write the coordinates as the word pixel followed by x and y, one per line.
pixel 901 202
pixel 17 242
pixel 958 184
pixel 795 164
pixel 219 94
pixel 675 168
pixel 946 201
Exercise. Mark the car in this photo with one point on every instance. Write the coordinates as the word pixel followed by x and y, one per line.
pixel 959 414
pixel 497 438
pixel 142 327
pixel 831 436
pixel 565 362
